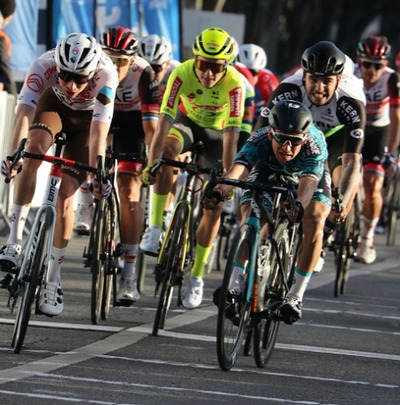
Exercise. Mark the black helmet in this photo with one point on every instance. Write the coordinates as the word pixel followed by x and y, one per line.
pixel 376 48
pixel 324 58
pixel 290 116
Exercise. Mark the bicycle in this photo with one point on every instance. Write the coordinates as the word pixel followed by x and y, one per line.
pixel 177 249
pixel 345 242
pixel 268 274
pixel 392 209
pixel 104 250
pixel 25 288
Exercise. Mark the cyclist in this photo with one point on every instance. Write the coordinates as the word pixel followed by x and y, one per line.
pixel 264 81
pixel 338 109
pixel 204 101
pixel 382 130
pixel 69 88
pixel 157 51
pixel 133 126
pixel 290 144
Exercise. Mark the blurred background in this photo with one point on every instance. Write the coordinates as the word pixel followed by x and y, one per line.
pixel 284 28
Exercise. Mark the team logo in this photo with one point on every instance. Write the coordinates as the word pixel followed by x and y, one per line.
pixel 35 83
pixel 357 133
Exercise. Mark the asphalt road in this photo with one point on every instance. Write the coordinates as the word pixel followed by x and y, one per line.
pixel 343 351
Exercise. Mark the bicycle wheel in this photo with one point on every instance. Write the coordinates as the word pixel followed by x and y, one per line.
pixel 271 296
pixel 29 290
pixel 111 236
pixel 97 262
pixel 171 262
pixel 393 211
pixel 343 253
pixel 234 311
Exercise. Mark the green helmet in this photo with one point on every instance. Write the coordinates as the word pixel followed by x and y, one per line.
pixel 214 43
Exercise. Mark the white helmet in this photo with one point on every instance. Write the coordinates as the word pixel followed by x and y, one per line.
pixel 78 53
pixel 252 56
pixel 155 49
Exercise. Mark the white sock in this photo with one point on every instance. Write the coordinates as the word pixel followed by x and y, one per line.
pixel 19 214
pixel 83 195
pixel 301 281
pixel 55 262
pixel 368 228
pixel 130 252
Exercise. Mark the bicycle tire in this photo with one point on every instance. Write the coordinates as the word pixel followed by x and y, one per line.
pixel 233 312
pixel 343 253
pixel 31 284
pixel 111 229
pixel 170 263
pixel 97 264
pixel 266 328
pixel 393 213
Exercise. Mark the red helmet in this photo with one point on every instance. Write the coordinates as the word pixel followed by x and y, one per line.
pixel 376 48
pixel 121 40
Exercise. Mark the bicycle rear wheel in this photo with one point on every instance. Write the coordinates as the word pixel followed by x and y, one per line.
pixel 33 266
pixel 266 327
pixel 234 311
pixel 170 263
pixel 97 262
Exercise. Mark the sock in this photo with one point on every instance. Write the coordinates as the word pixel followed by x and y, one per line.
pixel 157 209
pixel 200 260
pixel 300 284
pixel 55 262
pixel 19 214
pixel 83 195
pixel 130 252
pixel 368 228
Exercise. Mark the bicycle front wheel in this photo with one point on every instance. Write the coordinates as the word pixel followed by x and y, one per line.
pixel 234 310
pixel 33 268
pixel 393 211
pixel 170 263
pixel 97 262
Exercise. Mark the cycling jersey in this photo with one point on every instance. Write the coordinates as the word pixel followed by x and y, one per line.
pixel 309 162
pixel 266 84
pixel 219 107
pixel 345 111
pixel 382 96
pixel 98 95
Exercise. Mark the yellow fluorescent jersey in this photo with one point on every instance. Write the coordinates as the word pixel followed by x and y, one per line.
pixel 219 107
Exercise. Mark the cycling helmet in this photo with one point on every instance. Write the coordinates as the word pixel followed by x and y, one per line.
pixel 324 59
pixel 376 48
pixel 252 56
pixel 290 116
pixel 78 53
pixel 121 40
pixel 214 43
pixel 155 49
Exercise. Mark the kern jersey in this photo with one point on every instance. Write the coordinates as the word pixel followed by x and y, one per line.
pixel 309 162
pixel 381 97
pixel 346 110
pixel 98 95
pixel 139 90
pixel 217 108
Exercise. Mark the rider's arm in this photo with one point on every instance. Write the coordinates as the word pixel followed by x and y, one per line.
pixel 236 171
pixel 98 136
pixel 23 118
pixel 351 176
pixel 229 147
pixel 394 113
pixel 158 141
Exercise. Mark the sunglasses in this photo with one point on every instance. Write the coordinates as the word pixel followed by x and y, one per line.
pixel 215 68
pixel 157 68
pixel 376 66
pixel 119 60
pixel 283 138
pixel 67 77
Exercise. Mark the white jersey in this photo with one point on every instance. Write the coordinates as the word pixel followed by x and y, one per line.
pixel 98 95
pixel 173 63
pixel 138 91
